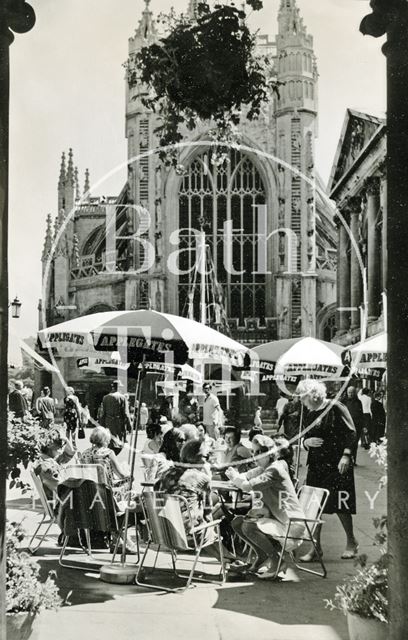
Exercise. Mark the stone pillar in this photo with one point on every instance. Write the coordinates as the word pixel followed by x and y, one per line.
pixel 356 280
pixel 373 246
pixel 392 17
pixel 384 257
pixel 283 310
pixel 343 279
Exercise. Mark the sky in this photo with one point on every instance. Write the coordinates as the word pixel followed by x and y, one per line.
pixel 67 90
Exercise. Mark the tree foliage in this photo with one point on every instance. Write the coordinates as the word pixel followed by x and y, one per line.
pixel 24 441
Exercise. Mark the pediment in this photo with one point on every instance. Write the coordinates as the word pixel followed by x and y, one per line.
pixel 358 129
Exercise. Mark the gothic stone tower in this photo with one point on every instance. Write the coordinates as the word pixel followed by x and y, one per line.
pixel 296 130
pixel 283 301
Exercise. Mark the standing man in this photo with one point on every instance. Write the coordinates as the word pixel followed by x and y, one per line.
pixel 379 418
pixel 115 416
pixel 212 412
pixel 144 416
pixel 280 404
pixel 257 417
pixel 353 404
pixel 17 402
pixel 45 406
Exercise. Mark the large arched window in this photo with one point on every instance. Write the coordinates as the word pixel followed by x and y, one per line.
pixel 209 196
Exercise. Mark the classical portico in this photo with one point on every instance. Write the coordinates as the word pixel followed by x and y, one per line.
pixel 358 186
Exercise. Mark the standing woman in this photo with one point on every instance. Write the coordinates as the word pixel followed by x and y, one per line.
pixel 72 415
pixel 330 443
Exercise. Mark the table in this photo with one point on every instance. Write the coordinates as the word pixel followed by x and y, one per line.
pixel 223 485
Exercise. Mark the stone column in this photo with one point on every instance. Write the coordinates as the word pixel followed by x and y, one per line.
pixel 384 257
pixel 356 281
pixel 373 246
pixel 343 279
pixel 392 16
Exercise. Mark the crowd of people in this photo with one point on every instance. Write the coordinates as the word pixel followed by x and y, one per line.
pixel 185 453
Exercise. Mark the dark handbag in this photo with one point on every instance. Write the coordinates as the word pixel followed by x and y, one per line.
pixel 81 433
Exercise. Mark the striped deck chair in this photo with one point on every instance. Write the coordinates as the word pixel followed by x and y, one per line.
pixel 165 517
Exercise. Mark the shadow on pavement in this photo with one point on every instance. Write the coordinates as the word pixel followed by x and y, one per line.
pixel 286 603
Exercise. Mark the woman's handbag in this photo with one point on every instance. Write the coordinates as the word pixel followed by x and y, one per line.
pixel 81 433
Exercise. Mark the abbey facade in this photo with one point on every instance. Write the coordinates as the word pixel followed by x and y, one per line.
pixel 268 224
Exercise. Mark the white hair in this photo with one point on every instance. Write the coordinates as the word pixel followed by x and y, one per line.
pixel 314 389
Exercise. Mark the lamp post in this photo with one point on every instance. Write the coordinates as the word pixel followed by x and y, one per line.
pixel 17 16
pixel 390 17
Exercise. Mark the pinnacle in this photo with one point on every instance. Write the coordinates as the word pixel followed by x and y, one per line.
pixel 62 176
pixel 87 182
pixel 70 169
pixel 146 27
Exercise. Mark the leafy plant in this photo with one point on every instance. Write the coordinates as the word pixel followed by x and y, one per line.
pixel 366 593
pixel 24 440
pixel 204 69
pixel 24 590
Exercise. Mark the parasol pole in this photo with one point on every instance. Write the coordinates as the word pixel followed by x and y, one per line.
pixel 136 424
pixel 298 444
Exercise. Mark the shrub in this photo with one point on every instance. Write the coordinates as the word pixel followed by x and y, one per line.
pixel 24 591
pixel 366 593
pixel 24 439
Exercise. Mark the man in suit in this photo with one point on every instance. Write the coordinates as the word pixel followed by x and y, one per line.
pixel 353 404
pixel 17 402
pixel 115 415
pixel 45 406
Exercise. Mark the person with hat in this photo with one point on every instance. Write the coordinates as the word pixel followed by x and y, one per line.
pixel 115 416
pixel 264 527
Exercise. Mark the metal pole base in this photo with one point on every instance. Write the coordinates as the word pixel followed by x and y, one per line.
pixel 118 573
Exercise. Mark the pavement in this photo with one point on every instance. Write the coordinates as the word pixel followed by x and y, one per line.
pixel 290 610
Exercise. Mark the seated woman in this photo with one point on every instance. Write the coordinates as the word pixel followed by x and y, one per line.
pixel 265 526
pixel 236 451
pixel 154 439
pixel 100 453
pixel 116 477
pixel 235 454
pixel 190 431
pixel 204 437
pixel 154 462
pixel 194 484
pixel 56 450
pixel 173 440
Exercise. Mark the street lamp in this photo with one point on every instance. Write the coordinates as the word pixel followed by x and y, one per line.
pixel 15 308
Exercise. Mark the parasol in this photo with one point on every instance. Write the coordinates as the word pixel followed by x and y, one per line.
pixel 308 357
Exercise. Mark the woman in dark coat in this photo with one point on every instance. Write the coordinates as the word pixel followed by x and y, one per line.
pixel 72 415
pixel 330 443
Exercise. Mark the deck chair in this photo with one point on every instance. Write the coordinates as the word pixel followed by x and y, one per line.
pixel 313 501
pixel 167 530
pixel 88 505
pixel 48 518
